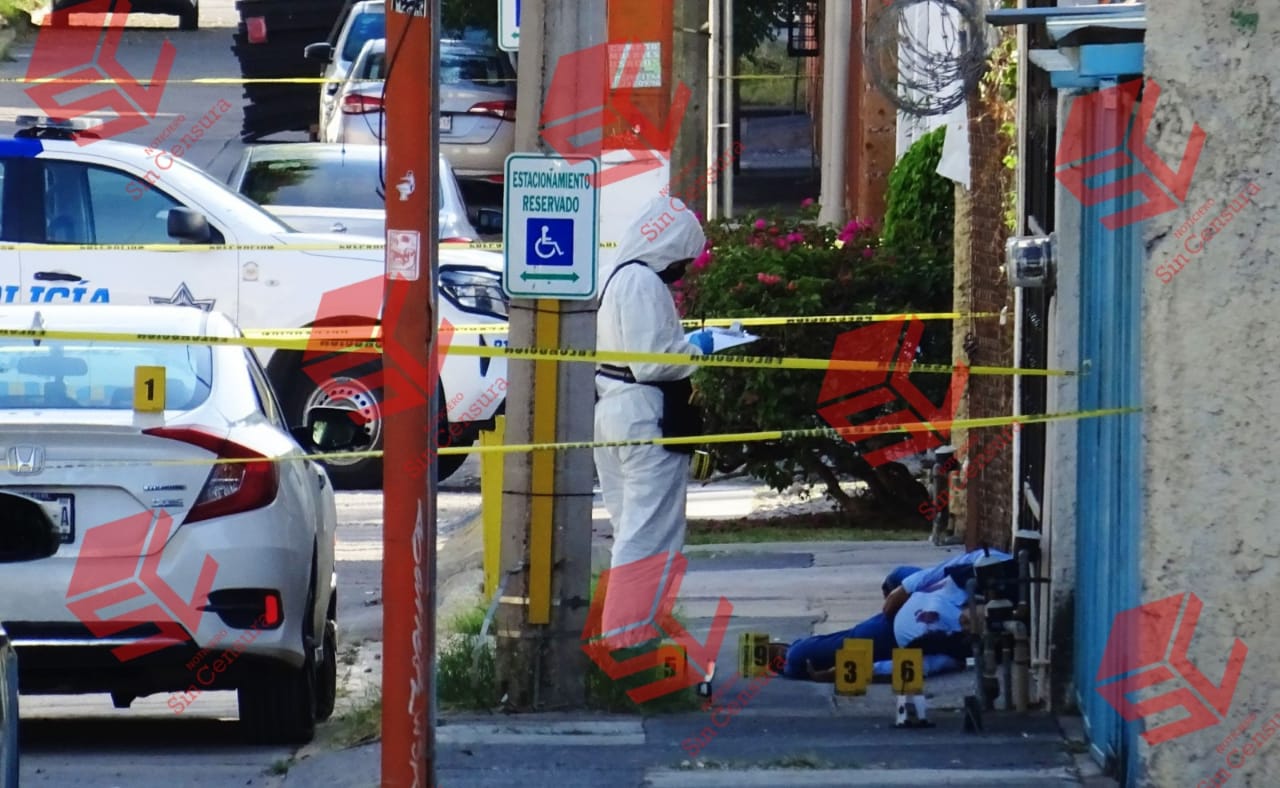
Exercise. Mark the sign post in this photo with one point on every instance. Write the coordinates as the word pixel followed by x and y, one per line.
pixel 552 216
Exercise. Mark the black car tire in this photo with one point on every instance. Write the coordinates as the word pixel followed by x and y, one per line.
pixel 190 19
pixel 365 474
pixel 327 675
pixel 278 704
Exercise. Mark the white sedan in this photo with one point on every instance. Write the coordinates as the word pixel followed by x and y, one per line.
pixel 197 537
pixel 317 187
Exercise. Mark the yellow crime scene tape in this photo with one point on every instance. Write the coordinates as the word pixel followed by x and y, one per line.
pixel 737 437
pixel 491 246
pixel 373 334
pixel 536 354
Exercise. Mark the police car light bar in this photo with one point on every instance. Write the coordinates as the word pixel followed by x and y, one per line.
pixel 61 124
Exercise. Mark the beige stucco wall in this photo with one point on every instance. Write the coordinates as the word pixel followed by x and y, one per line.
pixel 1211 377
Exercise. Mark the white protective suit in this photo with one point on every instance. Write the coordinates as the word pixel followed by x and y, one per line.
pixel 643 486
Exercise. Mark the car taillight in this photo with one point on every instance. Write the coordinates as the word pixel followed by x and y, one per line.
pixel 356 104
pixel 456 240
pixel 255 28
pixel 232 487
pixel 505 110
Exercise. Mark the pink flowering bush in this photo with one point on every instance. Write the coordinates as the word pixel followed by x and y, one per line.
pixel 775 266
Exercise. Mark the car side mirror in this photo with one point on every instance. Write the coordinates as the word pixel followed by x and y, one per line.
pixel 331 429
pixel 320 52
pixel 27 532
pixel 489 221
pixel 185 224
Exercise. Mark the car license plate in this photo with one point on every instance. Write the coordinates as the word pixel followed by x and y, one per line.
pixel 63 511
pixel 446 123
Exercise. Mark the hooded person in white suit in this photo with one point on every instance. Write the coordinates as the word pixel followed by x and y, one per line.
pixel 644 487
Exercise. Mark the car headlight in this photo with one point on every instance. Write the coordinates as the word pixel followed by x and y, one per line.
pixel 476 290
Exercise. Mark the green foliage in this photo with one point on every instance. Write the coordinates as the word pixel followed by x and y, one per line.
pixel 458 15
pixel 919 214
pixel 466 668
pixel 793 266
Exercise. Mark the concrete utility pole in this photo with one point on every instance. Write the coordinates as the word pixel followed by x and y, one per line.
pixel 545 570
pixel 409 415
pixel 837 19
pixel 689 65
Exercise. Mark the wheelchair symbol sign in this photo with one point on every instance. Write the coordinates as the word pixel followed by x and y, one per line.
pixel 549 241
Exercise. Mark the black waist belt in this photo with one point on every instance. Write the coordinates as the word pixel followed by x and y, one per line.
pixel 616 373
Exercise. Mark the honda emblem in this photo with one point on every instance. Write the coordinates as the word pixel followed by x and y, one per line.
pixel 26 459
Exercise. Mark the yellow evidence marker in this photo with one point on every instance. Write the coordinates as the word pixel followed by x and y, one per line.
pixel 148 389
pixel 908 671
pixel 672 659
pixel 853 667
pixel 753 654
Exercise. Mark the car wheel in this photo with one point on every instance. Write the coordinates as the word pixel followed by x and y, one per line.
pixel 349 390
pixel 278 705
pixel 190 20
pixel 327 676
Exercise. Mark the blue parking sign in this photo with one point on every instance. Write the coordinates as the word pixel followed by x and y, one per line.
pixel 549 241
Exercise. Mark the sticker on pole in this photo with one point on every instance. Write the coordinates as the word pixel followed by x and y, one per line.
pixel 552 218
pixel 403 254
pixel 410 7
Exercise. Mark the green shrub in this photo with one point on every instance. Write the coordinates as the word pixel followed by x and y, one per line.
pixel 919 217
pixel 776 266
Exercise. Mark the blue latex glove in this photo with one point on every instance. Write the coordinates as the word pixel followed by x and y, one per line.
pixel 703 340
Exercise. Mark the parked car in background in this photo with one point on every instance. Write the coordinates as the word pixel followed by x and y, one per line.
pixel 122 196
pixel 322 187
pixel 187 11
pixel 27 533
pixel 240 566
pixel 367 20
pixel 477 106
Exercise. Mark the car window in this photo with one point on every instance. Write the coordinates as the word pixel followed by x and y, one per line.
pixel 262 391
pixel 314 183
pixel 364 27
pixel 476 67
pixel 92 205
pixel 71 375
pixel 372 68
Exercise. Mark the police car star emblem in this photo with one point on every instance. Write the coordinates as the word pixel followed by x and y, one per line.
pixel 183 297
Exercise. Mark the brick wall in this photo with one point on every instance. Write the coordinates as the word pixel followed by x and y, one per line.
pixel 987 501
pixel 872 137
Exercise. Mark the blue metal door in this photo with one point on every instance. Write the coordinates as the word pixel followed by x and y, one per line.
pixel 1109 470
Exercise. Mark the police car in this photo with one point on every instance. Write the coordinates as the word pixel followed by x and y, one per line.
pixel 74 209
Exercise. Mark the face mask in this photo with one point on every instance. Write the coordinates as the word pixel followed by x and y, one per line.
pixel 674 272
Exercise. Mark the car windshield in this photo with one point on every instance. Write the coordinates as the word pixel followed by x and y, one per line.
pixel 364 27
pixel 252 213
pixel 315 183
pixel 459 64
pixel 326 182
pixel 76 375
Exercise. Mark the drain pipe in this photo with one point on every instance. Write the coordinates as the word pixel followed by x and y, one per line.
pixel 837 18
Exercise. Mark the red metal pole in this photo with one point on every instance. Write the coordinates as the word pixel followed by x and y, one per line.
pixel 409 540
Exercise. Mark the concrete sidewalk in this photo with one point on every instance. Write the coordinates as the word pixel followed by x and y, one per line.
pixel 790 733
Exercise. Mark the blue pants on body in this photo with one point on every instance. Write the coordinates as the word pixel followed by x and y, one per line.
pixel 821 649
